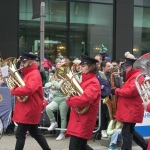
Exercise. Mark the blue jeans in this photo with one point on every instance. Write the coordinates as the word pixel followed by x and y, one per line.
pixel 116 137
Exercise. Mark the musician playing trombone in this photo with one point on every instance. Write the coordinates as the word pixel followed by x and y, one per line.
pixel 27 113
pixel 81 126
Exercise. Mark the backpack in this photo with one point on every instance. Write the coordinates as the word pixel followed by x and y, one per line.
pixel 97 135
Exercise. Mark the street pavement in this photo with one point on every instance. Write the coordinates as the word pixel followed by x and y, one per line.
pixel 7 142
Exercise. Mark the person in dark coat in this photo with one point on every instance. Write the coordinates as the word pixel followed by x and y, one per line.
pixel 129 105
pixel 104 79
pixel 81 126
pixel 27 114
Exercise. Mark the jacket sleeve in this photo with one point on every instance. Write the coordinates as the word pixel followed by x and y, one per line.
pixel 31 85
pixel 48 84
pixel 129 91
pixel 91 92
pixel 57 84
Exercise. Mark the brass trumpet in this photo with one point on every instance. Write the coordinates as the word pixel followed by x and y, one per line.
pixel 14 79
pixel 70 86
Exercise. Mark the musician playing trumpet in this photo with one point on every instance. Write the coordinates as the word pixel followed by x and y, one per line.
pixel 81 126
pixel 27 113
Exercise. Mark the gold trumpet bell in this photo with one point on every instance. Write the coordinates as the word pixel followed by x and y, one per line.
pixel 70 86
pixel 14 79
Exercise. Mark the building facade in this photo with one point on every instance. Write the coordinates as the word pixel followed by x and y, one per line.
pixel 75 27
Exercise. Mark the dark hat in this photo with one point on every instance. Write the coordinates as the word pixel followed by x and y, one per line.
pixel 129 59
pixel 128 62
pixel 86 59
pixel 28 56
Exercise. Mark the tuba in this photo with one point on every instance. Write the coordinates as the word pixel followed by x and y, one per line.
pixel 70 86
pixel 143 88
pixel 14 79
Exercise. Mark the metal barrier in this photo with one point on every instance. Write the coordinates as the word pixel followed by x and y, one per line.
pixel 1 128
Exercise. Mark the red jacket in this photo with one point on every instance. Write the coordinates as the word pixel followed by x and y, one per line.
pixel 148 107
pixel 129 105
pixel 29 112
pixel 83 125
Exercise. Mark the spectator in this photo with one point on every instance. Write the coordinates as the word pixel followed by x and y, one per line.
pixel 115 66
pixel 77 70
pixel 104 79
pixel 58 102
pixel 46 63
pixel 11 126
pixel 98 57
pixel 114 133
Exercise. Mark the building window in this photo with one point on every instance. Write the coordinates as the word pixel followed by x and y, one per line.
pixel 71 28
pixel 141 40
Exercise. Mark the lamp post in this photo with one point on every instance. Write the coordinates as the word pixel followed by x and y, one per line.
pixel 42 29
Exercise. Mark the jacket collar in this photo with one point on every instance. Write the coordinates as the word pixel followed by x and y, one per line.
pixel 29 69
pixel 87 76
pixel 130 73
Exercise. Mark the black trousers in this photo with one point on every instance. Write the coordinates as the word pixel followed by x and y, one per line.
pixel 34 132
pixel 104 116
pixel 128 133
pixel 77 143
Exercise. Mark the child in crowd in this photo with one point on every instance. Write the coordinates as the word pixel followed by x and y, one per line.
pixel 104 54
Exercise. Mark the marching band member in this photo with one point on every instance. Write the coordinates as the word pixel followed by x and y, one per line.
pixel 129 106
pixel 80 126
pixel 27 114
